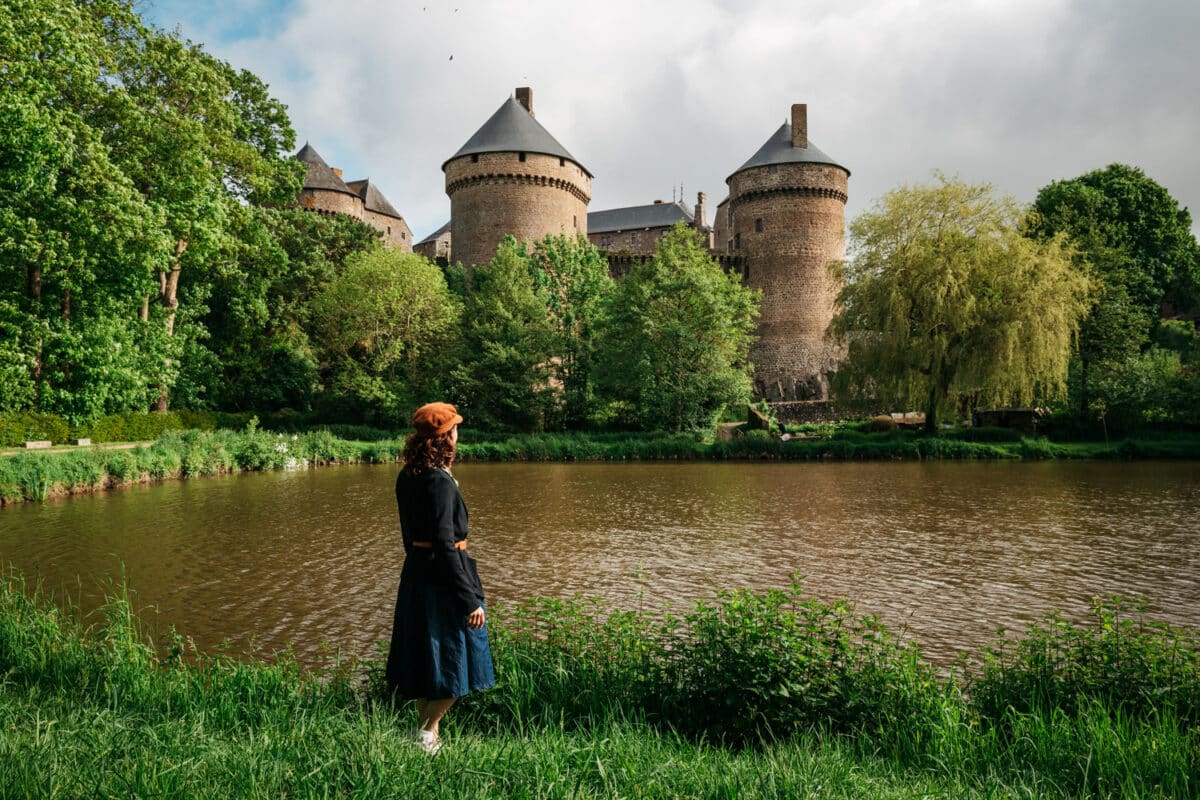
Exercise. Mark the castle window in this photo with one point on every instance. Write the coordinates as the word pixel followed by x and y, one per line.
pixel 746 273
pixel 575 222
pixel 474 158
pixel 737 241
pixel 389 230
pixel 562 162
pixel 758 225
pixel 520 156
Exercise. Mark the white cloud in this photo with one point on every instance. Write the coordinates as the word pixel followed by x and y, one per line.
pixel 651 94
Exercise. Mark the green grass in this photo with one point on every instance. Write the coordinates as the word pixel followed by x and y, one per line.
pixel 596 703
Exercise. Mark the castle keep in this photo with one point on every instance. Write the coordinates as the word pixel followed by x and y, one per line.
pixel 785 214
pixel 780 226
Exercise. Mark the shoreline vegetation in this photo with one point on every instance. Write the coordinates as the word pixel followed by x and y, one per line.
pixel 180 454
pixel 755 694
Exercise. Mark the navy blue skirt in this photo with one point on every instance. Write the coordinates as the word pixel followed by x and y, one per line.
pixel 434 655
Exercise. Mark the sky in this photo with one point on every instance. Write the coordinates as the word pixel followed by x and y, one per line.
pixel 660 99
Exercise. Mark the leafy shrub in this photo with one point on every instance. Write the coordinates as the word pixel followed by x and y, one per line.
pixel 18 427
pixel 983 433
pixel 773 663
pixel 1117 657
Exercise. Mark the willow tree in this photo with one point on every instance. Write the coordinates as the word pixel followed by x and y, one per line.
pixel 945 297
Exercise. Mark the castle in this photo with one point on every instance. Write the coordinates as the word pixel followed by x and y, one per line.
pixel 780 226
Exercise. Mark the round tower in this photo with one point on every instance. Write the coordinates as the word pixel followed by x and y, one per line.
pixel 324 190
pixel 513 177
pixel 786 215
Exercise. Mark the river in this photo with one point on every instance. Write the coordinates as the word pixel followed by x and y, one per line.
pixel 946 552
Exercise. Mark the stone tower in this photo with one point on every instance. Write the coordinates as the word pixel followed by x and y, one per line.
pixel 324 190
pixel 513 177
pixel 786 215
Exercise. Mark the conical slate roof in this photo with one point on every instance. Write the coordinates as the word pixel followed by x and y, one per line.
pixel 512 129
pixel 373 199
pixel 320 175
pixel 779 150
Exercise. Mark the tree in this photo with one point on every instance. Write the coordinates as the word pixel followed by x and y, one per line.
pixel 502 375
pixel 273 265
pixel 944 296
pixel 384 328
pixel 125 152
pixel 676 337
pixel 572 276
pixel 1138 244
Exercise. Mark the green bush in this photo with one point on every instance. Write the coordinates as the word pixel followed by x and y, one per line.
pixel 768 664
pixel 1117 657
pixel 18 427
pixel 983 433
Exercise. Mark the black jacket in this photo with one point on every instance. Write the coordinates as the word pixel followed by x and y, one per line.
pixel 432 510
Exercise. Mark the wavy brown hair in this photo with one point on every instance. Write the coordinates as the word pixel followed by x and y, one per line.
pixel 427 453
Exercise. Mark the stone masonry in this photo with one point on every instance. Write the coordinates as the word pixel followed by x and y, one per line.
pixel 494 194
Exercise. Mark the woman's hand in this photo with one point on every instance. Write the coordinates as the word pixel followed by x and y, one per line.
pixel 475 619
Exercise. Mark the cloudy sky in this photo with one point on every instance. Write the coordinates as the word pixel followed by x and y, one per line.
pixel 656 94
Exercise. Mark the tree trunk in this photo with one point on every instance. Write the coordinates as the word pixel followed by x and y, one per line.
pixel 35 294
pixel 168 296
pixel 931 411
pixel 1084 400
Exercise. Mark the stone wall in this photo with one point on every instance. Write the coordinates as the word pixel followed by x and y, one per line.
pixel 787 224
pixel 435 249
pixel 642 241
pixel 332 202
pixel 395 231
pixel 494 194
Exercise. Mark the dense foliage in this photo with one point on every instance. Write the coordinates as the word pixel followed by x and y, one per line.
pixel 945 297
pixel 676 338
pixel 1133 364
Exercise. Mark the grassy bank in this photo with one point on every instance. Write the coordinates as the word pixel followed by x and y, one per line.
pixel 755 695
pixel 185 454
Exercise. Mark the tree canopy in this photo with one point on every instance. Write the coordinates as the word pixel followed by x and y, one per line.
pixel 944 298
pixel 676 337
pixel 124 153
pixel 1137 243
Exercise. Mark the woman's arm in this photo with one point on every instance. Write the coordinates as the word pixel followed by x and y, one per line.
pixel 444 499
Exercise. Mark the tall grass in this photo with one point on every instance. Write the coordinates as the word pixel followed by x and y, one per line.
pixel 754 695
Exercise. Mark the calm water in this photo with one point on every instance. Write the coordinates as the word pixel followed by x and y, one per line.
pixel 947 551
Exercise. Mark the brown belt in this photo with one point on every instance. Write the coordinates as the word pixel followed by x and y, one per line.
pixel 461 544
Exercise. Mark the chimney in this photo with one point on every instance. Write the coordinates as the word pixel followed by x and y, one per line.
pixel 800 125
pixel 525 98
pixel 698 219
pixel 336 171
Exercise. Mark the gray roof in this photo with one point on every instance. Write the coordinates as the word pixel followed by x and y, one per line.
pixel 319 175
pixel 444 229
pixel 778 150
pixel 655 215
pixel 512 129
pixel 373 199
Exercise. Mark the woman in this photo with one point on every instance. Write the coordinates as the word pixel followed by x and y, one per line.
pixel 439 646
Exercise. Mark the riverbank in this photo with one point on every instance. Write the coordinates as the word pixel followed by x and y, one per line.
pixel 756 695
pixel 38 476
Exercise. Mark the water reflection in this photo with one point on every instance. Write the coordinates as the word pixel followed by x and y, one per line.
pixel 947 551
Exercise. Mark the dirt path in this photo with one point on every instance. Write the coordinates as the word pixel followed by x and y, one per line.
pixel 67 448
